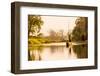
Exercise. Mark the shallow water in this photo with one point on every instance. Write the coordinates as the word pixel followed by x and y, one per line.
pixel 46 53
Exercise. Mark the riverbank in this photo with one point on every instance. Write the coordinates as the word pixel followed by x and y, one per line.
pixel 61 44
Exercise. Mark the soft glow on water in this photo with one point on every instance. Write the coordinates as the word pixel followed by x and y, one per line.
pixel 58 53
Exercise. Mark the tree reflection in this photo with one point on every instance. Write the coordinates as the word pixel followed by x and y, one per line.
pixel 81 51
pixel 34 53
pixel 57 52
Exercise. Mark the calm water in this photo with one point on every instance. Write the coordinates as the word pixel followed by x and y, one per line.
pixel 57 53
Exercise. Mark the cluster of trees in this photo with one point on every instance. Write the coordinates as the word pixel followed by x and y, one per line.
pixel 56 36
pixel 80 31
pixel 36 37
pixel 34 25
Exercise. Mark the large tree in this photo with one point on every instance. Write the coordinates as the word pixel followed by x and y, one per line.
pixel 80 31
pixel 34 25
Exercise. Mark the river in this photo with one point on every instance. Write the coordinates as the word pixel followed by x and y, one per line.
pixel 57 51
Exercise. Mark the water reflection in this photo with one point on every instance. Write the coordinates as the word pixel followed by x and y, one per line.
pixel 57 53
pixel 81 51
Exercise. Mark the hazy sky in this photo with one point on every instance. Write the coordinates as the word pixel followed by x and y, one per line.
pixel 57 23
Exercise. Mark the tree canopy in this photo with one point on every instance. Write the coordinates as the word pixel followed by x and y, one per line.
pixel 34 25
pixel 80 31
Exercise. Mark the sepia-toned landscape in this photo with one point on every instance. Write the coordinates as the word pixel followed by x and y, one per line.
pixel 57 38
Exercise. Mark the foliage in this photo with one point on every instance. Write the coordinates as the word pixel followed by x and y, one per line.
pixel 33 41
pixel 56 36
pixel 80 31
pixel 34 24
pixel 37 41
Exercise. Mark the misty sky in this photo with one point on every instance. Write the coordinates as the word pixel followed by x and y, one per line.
pixel 57 23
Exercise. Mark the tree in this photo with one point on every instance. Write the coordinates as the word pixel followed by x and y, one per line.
pixel 80 31
pixel 52 35
pixel 60 35
pixel 34 24
pixel 56 36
